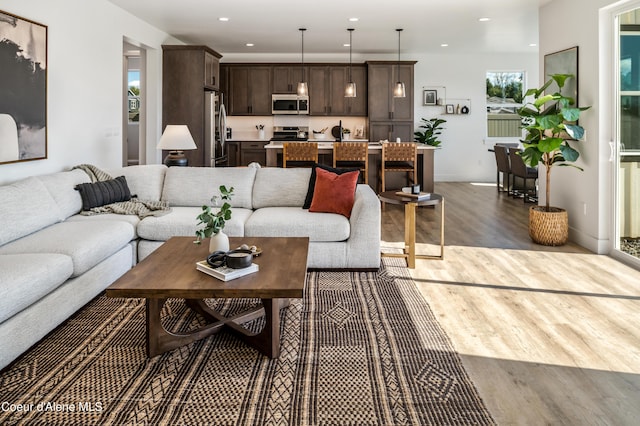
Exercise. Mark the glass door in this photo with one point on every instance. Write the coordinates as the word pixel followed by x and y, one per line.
pixel 627 152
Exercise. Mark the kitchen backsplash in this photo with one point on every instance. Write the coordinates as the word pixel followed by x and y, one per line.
pixel 245 127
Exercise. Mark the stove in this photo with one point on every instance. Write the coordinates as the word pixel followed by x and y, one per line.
pixel 290 133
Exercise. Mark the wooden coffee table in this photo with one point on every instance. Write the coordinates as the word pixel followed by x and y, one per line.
pixel 170 272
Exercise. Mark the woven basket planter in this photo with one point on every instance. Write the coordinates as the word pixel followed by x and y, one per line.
pixel 549 228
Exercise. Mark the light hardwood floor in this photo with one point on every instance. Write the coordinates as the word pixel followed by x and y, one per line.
pixel 549 335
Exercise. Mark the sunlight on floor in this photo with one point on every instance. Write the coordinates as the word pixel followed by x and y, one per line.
pixel 535 306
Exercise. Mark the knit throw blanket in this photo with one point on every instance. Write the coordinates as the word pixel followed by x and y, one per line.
pixel 135 206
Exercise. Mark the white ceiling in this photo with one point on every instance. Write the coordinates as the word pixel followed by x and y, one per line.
pixel 272 25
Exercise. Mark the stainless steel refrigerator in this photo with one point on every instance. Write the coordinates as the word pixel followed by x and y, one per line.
pixel 215 120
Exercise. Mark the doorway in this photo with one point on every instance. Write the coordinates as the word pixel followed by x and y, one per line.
pixel 627 145
pixel 134 119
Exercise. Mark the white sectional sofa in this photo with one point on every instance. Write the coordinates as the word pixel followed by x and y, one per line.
pixel 54 260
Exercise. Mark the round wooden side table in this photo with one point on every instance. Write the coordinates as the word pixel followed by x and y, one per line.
pixel 411 203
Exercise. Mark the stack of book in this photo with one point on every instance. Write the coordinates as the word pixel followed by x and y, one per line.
pixel 224 273
pixel 420 197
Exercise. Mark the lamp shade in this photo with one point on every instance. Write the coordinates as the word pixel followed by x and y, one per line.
pixel 176 138
pixel 398 90
pixel 350 90
pixel 303 90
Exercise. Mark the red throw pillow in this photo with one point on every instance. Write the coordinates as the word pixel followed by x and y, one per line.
pixel 334 193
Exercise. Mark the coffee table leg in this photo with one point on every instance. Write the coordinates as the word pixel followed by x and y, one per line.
pixel 159 340
pixel 267 341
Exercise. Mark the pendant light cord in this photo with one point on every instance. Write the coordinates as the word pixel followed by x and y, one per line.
pixel 399 30
pixel 302 30
pixel 350 45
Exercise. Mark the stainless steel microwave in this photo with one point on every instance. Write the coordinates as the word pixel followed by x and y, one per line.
pixel 289 104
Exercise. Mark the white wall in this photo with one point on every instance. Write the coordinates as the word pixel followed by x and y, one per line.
pixel 464 155
pixel 84 73
pixel 563 24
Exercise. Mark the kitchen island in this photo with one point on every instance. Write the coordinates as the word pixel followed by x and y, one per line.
pixel 325 154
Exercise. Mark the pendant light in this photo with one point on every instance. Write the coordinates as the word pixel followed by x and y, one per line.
pixel 398 89
pixel 303 90
pixel 350 89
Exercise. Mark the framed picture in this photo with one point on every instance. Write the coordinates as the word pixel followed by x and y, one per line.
pixel 23 85
pixel 450 109
pixel 429 97
pixel 564 62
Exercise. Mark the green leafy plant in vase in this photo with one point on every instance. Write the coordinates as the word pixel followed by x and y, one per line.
pixel 550 124
pixel 214 222
pixel 432 128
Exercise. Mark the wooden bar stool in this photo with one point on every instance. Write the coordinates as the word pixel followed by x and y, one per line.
pixel 352 155
pixel 399 157
pixel 299 154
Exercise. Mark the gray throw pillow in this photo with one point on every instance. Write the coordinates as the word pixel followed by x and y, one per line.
pixel 102 193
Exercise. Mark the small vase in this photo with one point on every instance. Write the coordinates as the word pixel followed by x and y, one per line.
pixel 219 242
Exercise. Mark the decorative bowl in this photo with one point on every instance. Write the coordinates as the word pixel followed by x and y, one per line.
pixel 239 258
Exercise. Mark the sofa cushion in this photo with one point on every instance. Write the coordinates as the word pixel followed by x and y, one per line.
pixel 25 208
pixel 129 218
pixel 277 187
pixel 144 181
pixel 194 186
pixel 312 181
pixel 97 194
pixel 27 278
pixel 61 186
pixel 86 242
pixel 181 222
pixel 297 222
pixel 334 193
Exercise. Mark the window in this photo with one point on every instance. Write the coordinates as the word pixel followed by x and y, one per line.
pixel 505 90
pixel 134 95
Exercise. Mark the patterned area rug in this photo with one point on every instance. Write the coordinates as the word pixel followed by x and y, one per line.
pixel 359 349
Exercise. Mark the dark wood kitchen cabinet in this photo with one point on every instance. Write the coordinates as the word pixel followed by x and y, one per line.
pixel 249 90
pixel 382 78
pixel 242 153
pixel 390 131
pixel 233 153
pixel 187 73
pixel 390 118
pixel 253 152
pixel 326 90
pixel 286 77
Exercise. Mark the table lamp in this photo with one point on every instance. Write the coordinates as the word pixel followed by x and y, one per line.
pixel 176 139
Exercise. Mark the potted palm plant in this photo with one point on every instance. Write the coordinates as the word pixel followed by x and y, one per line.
pixel 550 124
pixel 214 222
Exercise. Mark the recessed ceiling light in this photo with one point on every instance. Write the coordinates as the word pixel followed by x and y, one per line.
pixel 484 19
pixel 444 45
pixel 346 45
pixel 249 45
pixel 223 19
pixel 354 19
pixel 532 45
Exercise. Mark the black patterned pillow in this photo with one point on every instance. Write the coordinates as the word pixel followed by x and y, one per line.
pixel 102 193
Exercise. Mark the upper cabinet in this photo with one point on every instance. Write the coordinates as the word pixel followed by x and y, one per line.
pixel 211 70
pixel 326 90
pixel 382 78
pixel 286 78
pixel 249 90
pixel 247 87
